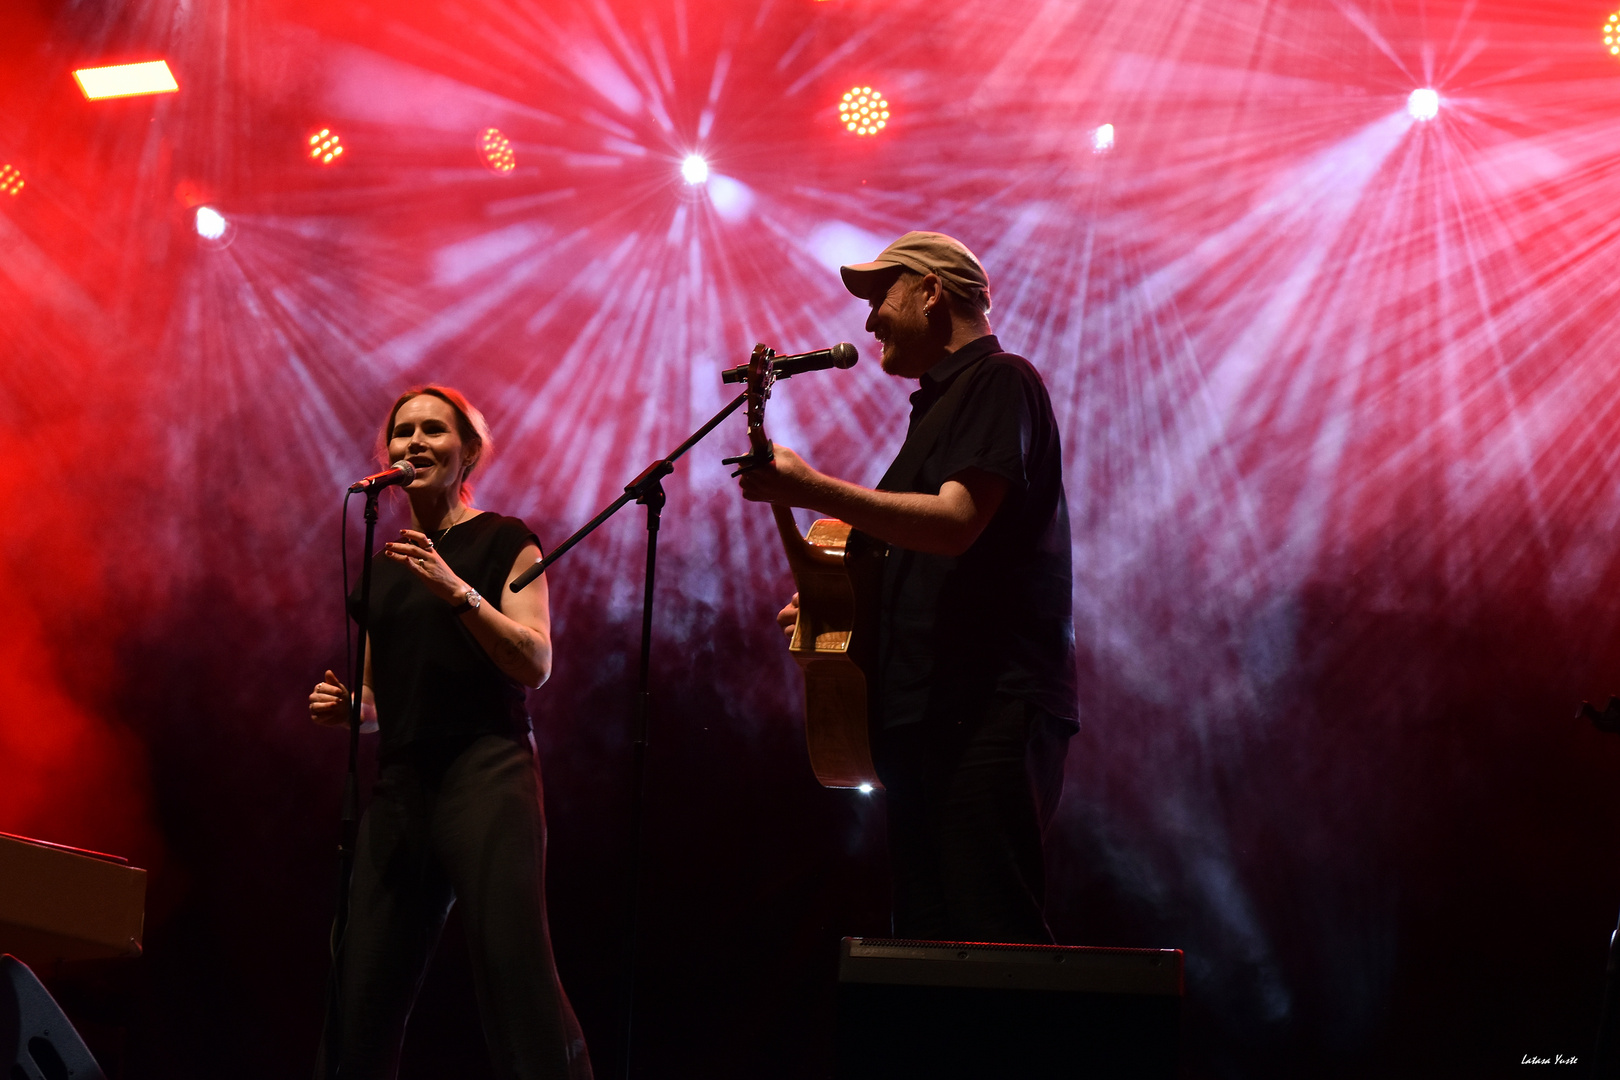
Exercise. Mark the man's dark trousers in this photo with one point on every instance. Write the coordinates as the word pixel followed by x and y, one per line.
pixel 968 801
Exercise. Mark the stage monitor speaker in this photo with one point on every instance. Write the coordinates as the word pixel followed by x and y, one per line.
pixel 36 1040
pixel 63 903
pixel 940 1009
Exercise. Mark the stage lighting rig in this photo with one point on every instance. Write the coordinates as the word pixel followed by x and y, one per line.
pixel 495 151
pixel 126 80
pixel 863 111
pixel 694 170
pixel 1423 104
pixel 11 180
pixel 1611 34
pixel 325 147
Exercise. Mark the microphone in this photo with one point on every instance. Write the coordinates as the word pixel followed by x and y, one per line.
pixel 841 355
pixel 400 472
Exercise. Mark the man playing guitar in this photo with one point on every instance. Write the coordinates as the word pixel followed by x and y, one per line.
pixel 974 695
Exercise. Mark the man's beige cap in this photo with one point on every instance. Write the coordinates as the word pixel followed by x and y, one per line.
pixel 926 253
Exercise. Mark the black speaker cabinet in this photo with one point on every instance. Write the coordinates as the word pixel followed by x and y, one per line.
pixel 941 1009
pixel 36 1040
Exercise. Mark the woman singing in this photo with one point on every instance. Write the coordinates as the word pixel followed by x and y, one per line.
pixel 456 813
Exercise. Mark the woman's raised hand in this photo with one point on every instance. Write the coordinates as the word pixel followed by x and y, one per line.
pixel 329 703
pixel 416 551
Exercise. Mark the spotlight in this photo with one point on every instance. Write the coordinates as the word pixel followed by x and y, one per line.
pixel 863 111
pixel 325 147
pixel 865 789
pixel 126 80
pixel 1423 104
pixel 210 223
pixel 1102 139
pixel 11 180
pixel 495 151
pixel 694 170
pixel 1611 34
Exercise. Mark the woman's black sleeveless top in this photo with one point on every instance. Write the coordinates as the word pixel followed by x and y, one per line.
pixel 436 689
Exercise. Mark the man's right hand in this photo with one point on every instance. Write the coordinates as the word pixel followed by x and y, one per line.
pixel 788 617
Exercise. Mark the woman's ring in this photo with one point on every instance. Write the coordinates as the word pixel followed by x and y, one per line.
pixel 422 563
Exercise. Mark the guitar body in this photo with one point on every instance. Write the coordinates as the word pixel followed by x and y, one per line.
pixel 839 575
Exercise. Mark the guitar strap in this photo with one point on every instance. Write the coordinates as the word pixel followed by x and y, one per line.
pixel 907 467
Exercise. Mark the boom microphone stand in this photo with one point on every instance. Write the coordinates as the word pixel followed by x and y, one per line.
pixel 647 490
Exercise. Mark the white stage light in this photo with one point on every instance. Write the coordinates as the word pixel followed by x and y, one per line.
pixel 210 223
pixel 694 170
pixel 1102 139
pixel 1423 104
pixel 865 789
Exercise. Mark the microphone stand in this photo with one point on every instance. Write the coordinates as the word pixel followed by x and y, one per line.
pixel 332 1044
pixel 647 490
pixel 1606 1053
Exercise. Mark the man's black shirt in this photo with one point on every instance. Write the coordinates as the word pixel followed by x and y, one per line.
pixel 997 619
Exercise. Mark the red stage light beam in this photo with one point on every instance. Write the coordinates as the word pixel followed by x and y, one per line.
pixel 126 80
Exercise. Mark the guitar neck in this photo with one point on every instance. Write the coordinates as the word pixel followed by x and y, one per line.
pixel 798 552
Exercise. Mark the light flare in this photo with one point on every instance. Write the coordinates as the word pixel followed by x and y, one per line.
pixel 1423 104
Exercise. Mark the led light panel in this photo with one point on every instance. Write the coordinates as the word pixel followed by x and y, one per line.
pixel 126 80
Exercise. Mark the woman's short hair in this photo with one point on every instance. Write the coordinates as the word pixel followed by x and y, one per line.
pixel 476 442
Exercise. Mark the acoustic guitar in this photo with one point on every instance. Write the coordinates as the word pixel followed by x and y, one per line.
pixel 839 575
